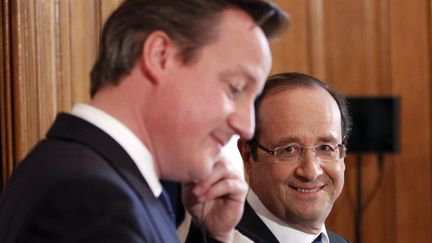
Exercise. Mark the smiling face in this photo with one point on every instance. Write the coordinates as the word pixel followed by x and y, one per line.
pixel 300 193
pixel 205 102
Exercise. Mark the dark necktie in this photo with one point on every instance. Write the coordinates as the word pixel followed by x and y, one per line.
pixel 164 198
pixel 318 239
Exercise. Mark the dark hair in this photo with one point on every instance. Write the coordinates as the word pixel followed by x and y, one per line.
pixel 190 23
pixel 295 80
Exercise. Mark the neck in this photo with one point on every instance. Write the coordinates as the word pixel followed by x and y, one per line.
pixel 312 229
pixel 122 104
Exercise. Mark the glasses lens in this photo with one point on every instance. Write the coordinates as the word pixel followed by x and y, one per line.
pixel 342 151
pixel 295 152
pixel 326 152
pixel 288 153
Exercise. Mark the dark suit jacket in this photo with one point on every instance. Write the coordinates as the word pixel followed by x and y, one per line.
pixel 255 229
pixel 79 185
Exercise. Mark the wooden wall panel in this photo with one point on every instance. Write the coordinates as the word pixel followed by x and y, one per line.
pixel 6 121
pixel 2 89
pixel 85 29
pixel 290 51
pixel 411 68
pixel 58 45
pixel 316 42
pixel 106 8
pixel 354 46
pixel 24 78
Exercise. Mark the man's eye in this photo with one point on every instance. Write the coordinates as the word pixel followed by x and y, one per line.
pixel 290 149
pixel 235 89
pixel 326 148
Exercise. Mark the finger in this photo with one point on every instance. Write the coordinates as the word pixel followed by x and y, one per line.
pixel 221 171
pixel 229 189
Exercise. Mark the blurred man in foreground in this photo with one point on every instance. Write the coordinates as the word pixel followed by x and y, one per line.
pixel 173 82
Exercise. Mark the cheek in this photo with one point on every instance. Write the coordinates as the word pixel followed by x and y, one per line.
pixel 282 173
pixel 336 173
pixel 204 109
pixel 273 177
pixel 213 103
pixel 272 187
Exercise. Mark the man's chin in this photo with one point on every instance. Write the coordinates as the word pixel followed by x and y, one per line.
pixel 199 170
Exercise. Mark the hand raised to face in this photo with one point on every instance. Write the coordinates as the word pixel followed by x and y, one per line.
pixel 222 195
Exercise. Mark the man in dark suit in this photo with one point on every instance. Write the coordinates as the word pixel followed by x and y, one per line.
pixel 295 161
pixel 174 80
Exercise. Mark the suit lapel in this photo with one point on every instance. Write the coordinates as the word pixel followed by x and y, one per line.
pixel 72 128
pixel 69 127
pixel 254 228
pixel 334 238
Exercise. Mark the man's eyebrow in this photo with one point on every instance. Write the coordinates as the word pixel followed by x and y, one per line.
pixel 295 139
pixel 285 140
pixel 251 80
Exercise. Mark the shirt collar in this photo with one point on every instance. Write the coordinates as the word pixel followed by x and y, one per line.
pixel 280 229
pixel 127 140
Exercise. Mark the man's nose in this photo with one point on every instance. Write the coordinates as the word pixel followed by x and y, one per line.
pixel 309 169
pixel 242 120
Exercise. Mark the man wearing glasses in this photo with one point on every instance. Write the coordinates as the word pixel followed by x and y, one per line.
pixel 295 161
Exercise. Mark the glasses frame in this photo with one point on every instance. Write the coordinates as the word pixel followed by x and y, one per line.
pixel 303 151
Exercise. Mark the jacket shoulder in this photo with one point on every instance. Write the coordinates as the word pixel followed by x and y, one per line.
pixel 335 238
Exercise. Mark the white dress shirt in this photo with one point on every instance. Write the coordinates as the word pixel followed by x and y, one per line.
pixel 280 229
pixel 127 140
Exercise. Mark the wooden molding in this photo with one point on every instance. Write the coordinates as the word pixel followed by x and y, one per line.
pixel 58 45
pixel 48 48
pixel 6 108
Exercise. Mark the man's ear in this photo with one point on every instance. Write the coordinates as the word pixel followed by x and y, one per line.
pixel 246 155
pixel 158 47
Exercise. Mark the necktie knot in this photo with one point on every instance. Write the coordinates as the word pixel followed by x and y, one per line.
pixel 318 239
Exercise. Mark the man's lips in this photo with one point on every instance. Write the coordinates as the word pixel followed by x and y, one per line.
pixel 308 189
pixel 220 141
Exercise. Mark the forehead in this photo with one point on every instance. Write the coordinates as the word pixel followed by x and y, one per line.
pixel 306 113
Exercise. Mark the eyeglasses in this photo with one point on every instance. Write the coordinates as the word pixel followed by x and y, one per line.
pixel 293 152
